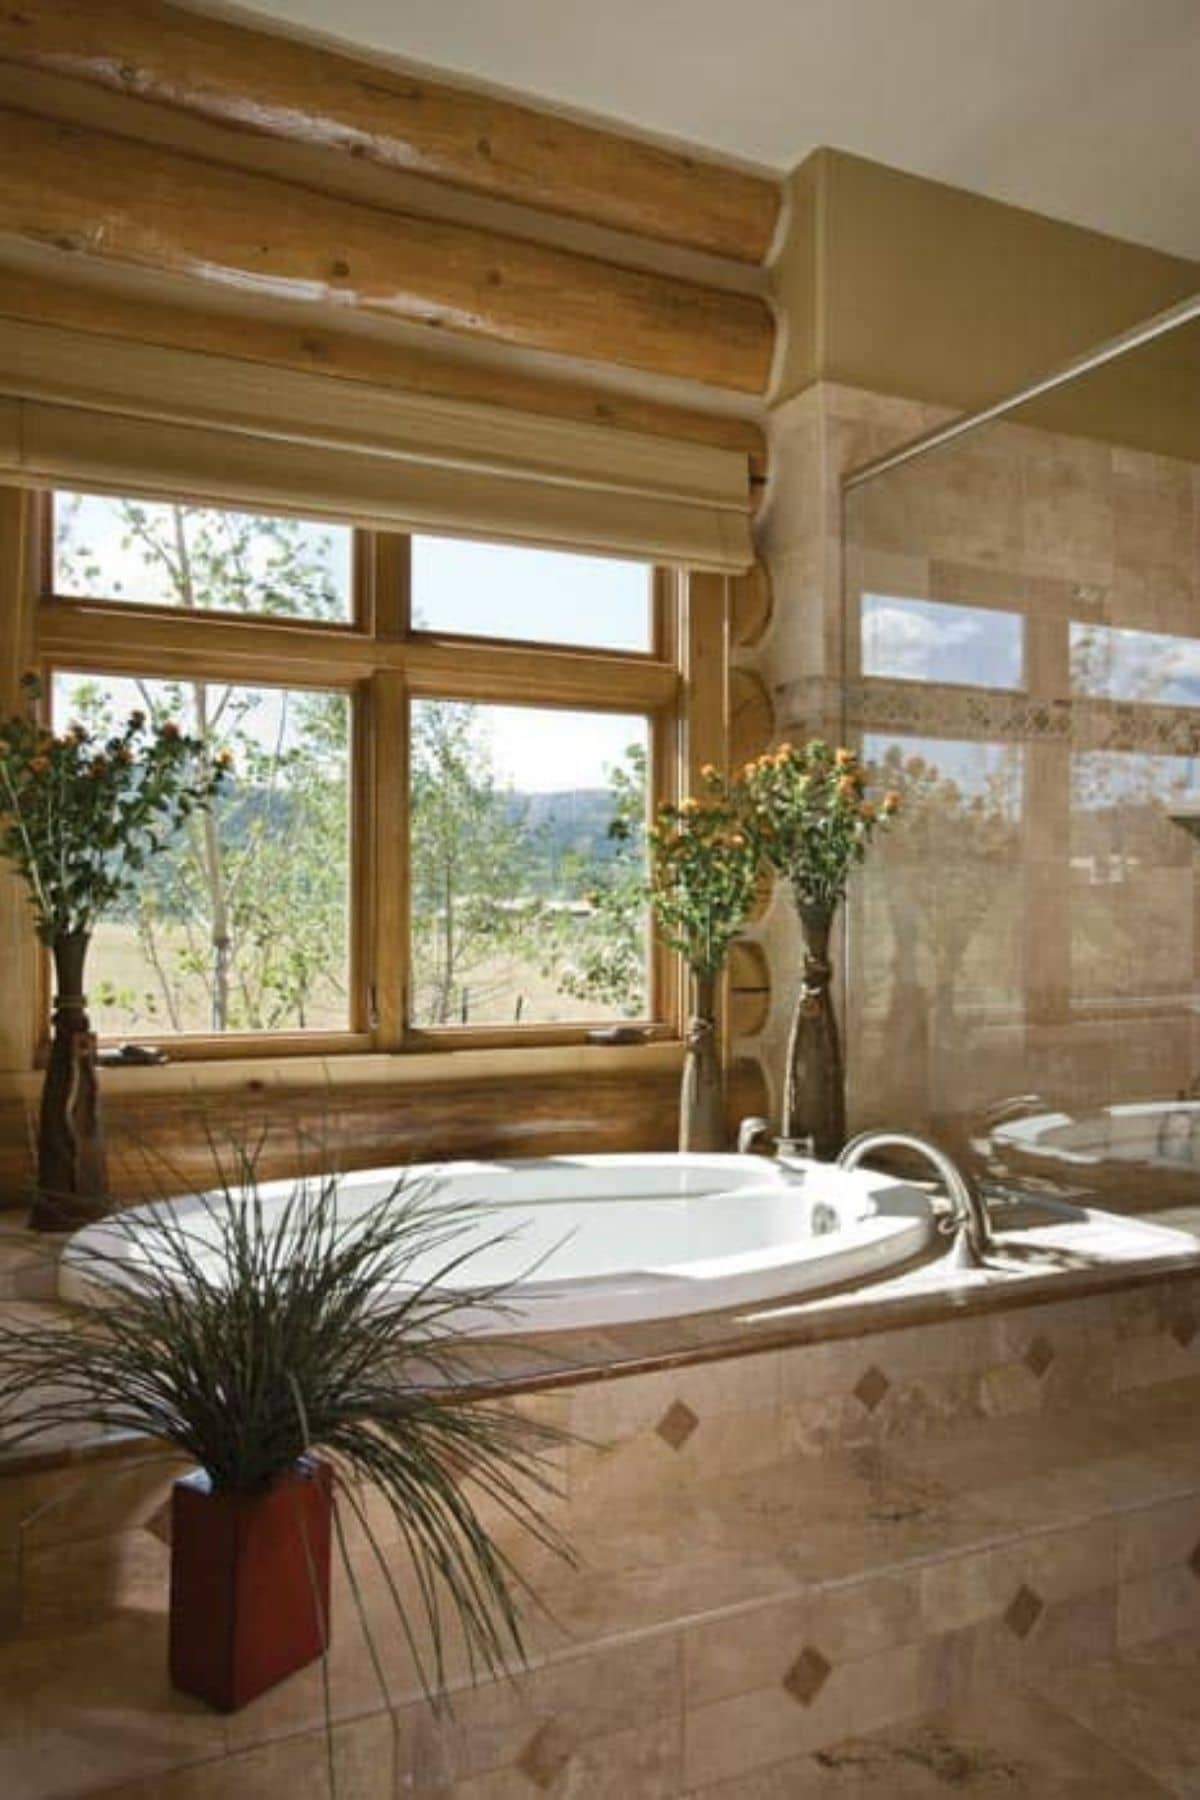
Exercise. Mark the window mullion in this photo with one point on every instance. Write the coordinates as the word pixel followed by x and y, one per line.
pixel 389 934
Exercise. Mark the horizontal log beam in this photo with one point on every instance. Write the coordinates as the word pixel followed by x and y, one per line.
pixel 131 317
pixel 377 1125
pixel 132 204
pixel 273 85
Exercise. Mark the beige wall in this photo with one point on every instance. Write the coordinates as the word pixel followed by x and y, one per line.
pixel 908 287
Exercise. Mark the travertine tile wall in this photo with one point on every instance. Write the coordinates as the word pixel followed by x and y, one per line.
pixel 774 1551
pixel 1042 941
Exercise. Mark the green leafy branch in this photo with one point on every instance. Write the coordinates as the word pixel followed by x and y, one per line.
pixel 82 812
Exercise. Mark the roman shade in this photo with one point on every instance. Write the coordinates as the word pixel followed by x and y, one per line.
pixel 96 412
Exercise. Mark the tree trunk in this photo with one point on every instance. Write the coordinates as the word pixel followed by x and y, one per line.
pixel 72 1177
pixel 210 841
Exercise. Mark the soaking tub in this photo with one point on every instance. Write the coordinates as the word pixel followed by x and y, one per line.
pixel 584 1241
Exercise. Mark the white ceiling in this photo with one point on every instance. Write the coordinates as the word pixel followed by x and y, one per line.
pixel 1087 110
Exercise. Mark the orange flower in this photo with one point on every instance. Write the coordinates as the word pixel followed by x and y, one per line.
pixel 847 788
pixel 39 765
pixel 845 759
pixel 866 812
pixel 169 730
pixel 891 801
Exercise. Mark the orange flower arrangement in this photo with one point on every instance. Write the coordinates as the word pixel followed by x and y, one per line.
pixel 806 813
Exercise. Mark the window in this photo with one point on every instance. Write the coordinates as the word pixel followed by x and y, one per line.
pixel 931 640
pixel 548 596
pixel 445 756
pixel 527 834
pixel 201 558
pixel 242 924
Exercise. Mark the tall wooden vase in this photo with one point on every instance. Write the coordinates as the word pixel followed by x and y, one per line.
pixel 72 1174
pixel 814 1094
pixel 702 1095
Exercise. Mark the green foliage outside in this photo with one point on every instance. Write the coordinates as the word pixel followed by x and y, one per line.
pixel 81 813
pixel 235 912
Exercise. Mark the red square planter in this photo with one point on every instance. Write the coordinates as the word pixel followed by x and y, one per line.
pixel 249 1583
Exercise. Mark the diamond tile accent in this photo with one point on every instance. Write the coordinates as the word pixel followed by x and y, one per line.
pixel 1183 1328
pixel 1024 1611
pixel 677 1425
pixel 807 1675
pixel 872 1387
pixel 546 1754
pixel 1039 1356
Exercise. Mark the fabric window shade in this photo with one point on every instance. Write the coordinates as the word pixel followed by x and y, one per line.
pixel 92 412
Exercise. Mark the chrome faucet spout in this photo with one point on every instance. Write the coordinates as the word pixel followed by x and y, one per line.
pixel 969 1216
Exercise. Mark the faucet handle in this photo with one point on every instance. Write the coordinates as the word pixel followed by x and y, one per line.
pixel 751 1133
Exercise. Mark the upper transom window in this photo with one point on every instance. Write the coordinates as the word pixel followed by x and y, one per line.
pixel 473 589
pixel 200 558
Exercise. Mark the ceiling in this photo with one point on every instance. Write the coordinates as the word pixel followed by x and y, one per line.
pixel 1086 110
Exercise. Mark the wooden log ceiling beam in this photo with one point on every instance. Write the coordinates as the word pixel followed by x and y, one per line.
pixel 261 82
pixel 134 204
pixel 39 299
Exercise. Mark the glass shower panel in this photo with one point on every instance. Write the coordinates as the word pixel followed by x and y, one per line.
pixel 1022 633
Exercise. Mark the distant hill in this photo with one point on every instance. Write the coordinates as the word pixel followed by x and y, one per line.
pixel 567 829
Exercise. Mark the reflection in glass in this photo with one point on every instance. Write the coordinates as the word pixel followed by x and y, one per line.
pixel 1114 663
pixel 947 779
pixel 937 929
pixel 200 558
pixel 528 864
pixel 1131 878
pixel 242 922
pixel 931 640
pixel 547 596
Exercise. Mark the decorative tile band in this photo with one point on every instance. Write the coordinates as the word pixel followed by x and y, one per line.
pixel 913 708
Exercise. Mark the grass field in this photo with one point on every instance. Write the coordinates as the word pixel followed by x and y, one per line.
pixel 118 967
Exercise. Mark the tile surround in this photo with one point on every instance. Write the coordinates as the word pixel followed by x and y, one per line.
pixel 728 1616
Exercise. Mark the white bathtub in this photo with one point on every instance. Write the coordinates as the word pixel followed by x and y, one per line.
pixel 597 1240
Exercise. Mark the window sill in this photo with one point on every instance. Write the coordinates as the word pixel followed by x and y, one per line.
pixel 400 1069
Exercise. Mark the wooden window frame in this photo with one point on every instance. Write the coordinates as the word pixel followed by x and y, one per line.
pixel 679 684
